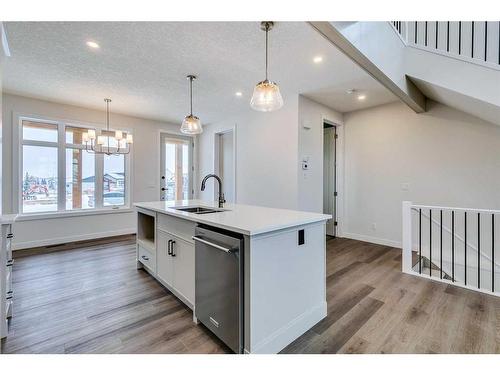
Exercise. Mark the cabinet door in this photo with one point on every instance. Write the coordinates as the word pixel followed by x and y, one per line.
pixel 164 262
pixel 184 269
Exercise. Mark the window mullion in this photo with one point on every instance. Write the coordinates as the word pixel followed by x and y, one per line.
pixel 61 168
pixel 99 180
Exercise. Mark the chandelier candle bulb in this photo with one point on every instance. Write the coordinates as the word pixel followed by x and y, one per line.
pixel 91 133
pixel 118 135
pixel 85 137
pixel 100 140
pixel 130 139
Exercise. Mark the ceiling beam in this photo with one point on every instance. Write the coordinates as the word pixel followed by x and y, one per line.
pixel 5 43
pixel 412 96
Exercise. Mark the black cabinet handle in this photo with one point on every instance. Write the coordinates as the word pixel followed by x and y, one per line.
pixel 163 189
pixel 172 252
pixel 145 257
pixel 10 263
pixel 169 247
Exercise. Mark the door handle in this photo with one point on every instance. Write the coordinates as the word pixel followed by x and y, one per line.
pixel 225 249
pixel 169 252
pixel 172 252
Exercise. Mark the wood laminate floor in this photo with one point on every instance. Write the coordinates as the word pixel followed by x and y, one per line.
pixel 92 300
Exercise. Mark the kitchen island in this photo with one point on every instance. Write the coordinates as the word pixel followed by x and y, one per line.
pixel 284 282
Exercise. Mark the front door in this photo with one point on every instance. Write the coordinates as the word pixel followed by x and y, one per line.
pixel 176 167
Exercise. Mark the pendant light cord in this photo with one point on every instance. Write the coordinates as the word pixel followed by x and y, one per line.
pixel 267 31
pixel 107 114
pixel 107 117
pixel 191 93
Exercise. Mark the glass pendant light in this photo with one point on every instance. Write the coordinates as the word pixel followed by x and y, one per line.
pixel 266 94
pixel 191 124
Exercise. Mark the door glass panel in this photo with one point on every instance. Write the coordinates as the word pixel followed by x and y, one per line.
pixel 80 179
pixel 114 180
pixel 39 187
pixel 175 169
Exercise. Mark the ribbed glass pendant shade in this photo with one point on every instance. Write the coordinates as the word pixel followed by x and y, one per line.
pixel 191 125
pixel 266 97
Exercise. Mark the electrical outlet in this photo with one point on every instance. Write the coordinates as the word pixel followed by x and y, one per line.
pixel 374 226
pixel 405 186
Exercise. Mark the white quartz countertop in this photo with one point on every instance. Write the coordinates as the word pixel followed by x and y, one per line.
pixel 248 220
pixel 8 219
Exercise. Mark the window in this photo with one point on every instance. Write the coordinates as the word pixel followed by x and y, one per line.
pixel 58 174
pixel 114 180
pixel 39 185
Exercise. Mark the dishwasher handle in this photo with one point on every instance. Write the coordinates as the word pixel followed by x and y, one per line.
pixel 225 249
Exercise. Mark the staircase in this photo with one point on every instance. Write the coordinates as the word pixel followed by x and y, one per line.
pixel 454 63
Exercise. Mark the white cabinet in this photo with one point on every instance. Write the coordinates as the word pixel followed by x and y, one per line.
pixel 6 293
pixel 175 265
pixel 164 261
pixel 166 250
pixel 183 268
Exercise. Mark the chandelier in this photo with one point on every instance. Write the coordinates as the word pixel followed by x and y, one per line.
pixel 108 142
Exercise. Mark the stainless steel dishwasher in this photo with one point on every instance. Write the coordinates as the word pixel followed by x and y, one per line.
pixel 219 284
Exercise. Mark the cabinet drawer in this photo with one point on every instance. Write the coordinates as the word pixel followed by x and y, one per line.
pixel 146 258
pixel 179 227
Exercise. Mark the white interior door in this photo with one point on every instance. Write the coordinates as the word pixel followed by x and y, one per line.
pixel 224 164
pixel 176 167
pixel 329 178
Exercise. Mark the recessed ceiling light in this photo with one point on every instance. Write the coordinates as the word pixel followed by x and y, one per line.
pixel 318 59
pixel 92 44
pixel 239 93
pixel 361 97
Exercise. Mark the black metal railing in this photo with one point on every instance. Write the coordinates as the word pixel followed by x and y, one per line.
pixel 482 251
pixel 479 40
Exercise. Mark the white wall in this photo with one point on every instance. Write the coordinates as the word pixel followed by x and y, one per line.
pixel 269 151
pixel 447 157
pixel 1 125
pixel 311 116
pixel 145 169
pixel 266 156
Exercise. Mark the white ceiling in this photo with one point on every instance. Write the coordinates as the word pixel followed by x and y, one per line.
pixel 142 66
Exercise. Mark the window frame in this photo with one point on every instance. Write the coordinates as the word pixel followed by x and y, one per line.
pixel 62 146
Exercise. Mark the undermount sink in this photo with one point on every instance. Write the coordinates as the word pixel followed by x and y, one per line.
pixel 198 210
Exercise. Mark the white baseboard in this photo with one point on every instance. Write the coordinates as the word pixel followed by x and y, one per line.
pixel 62 240
pixel 291 331
pixel 376 240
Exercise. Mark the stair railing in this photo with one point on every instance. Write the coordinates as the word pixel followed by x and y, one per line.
pixel 454 245
pixel 477 42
